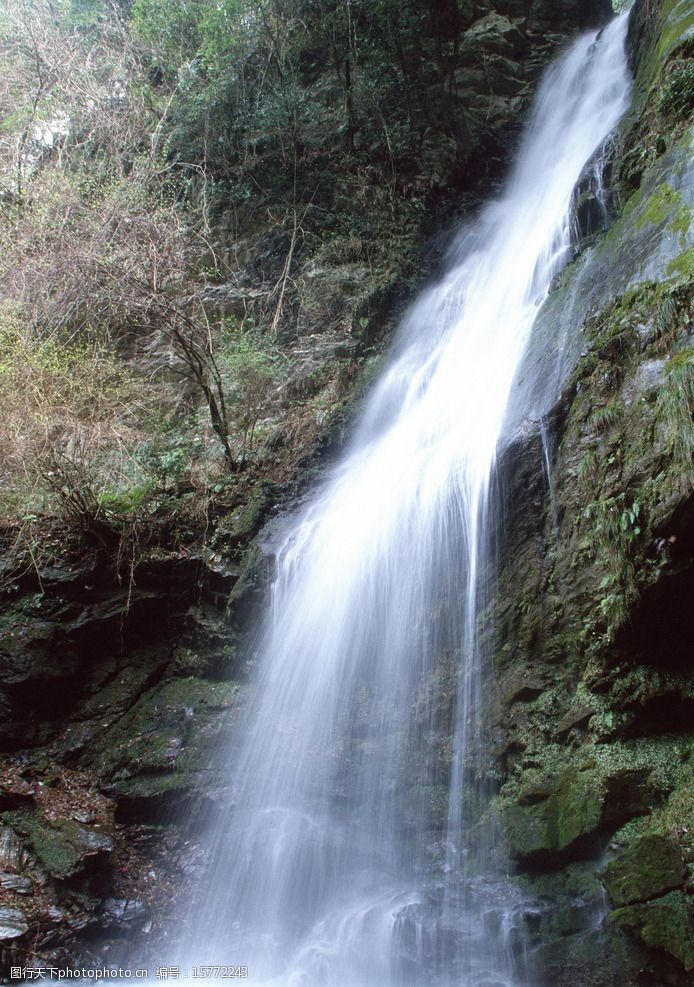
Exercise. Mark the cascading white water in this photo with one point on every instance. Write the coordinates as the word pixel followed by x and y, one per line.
pixel 352 855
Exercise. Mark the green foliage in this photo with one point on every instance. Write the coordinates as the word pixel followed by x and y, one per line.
pixel 252 370
pixel 615 522
pixel 676 410
pixel 171 28
pixel 225 30
pixel 124 502
pixel 85 15
pixel 281 77
pixel 607 416
pixel 676 97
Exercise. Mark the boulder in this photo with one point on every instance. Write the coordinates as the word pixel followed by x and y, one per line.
pixel 651 867
pixel 61 846
pixel 555 823
pixel 666 923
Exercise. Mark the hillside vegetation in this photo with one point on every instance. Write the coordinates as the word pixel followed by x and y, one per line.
pixel 205 209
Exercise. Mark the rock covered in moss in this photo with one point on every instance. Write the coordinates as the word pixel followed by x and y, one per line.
pixel 160 749
pixel 666 923
pixel 61 846
pixel 651 867
pixel 560 819
pixel 592 958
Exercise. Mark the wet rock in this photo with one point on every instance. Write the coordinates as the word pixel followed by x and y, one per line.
pixel 629 792
pixel 584 13
pixel 162 749
pixel 596 587
pixel 591 957
pixel 643 245
pixel 538 792
pixel 651 867
pixel 26 646
pixel 16 883
pixel 146 758
pixel 13 855
pixel 127 912
pixel 12 923
pixel 59 654
pixel 54 914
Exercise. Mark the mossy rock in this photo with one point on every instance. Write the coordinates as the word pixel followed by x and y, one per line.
pixel 577 882
pixel 568 900
pixel 239 526
pixel 665 923
pixel 598 957
pixel 61 846
pixel 559 826
pixel 165 739
pixel 249 586
pixel 652 866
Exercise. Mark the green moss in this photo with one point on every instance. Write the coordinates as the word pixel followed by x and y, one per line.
pixel 578 804
pixel 623 469
pixel 652 866
pixel 673 819
pixel 576 881
pixel 683 264
pixel 251 577
pixel 525 831
pixel 555 826
pixel 657 115
pixel 666 923
pixel 198 695
pixel 154 785
pixel 665 204
pixel 242 523
pixel 553 809
pixel 676 25
pixel 675 21
pixel 665 757
pixel 634 433
pixel 168 733
pixel 60 846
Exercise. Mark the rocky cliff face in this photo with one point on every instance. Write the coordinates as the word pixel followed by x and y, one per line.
pixel 119 675
pixel 593 686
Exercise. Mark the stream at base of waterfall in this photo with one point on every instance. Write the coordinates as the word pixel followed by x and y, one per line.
pixel 357 848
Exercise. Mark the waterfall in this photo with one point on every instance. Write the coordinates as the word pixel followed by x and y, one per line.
pixel 356 852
